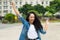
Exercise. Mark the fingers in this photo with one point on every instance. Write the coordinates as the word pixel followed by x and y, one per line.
pixel 47 21
pixel 12 3
pixel 46 26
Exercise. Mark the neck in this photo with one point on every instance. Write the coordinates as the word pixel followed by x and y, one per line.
pixel 30 22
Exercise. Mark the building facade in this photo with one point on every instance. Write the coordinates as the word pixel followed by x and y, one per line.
pixel 5 6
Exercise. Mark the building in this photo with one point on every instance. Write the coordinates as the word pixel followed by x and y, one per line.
pixel 5 6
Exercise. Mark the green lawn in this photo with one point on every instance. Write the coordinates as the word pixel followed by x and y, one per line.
pixel 57 20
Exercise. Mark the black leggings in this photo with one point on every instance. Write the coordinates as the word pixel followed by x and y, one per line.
pixel 31 39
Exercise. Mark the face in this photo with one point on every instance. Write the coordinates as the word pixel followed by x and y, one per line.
pixel 31 18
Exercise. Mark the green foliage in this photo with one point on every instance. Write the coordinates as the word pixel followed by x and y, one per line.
pixel 49 14
pixel 24 15
pixel 10 17
pixel 58 1
pixel 53 8
pixel 36 12
pixel 39 8
pixel 4 21
pixel 25 8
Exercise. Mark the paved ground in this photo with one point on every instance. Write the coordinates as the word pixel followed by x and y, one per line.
pixel 12 32
pixel 53 32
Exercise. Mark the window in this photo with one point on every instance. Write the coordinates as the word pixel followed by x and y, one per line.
pixel 10 7
pixel 16 6
pixel 9 3
pixel 0 11
pixel 20 3
pixel 0 3
pixel 5 3
pixel 10 11
pixel 16 2
pixel 31 2
pixel 36 2
pixel 42 2
pixel 5 7
pixel 5 11
pixel 46 2
pixel 0 0
pixel 26 2
pixel 10 0
pixel 0 7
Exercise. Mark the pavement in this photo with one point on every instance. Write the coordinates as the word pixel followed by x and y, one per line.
pixel 10 31
pixel 53 32
pixel 13 31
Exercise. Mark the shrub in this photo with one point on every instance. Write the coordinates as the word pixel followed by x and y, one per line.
pixel 10 17
pixel 48 14
pixel 4 21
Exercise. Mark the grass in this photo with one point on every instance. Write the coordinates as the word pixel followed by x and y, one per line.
pixel 0 20
pixel 57 20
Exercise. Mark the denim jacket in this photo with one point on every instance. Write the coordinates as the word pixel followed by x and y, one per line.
pixel 26 26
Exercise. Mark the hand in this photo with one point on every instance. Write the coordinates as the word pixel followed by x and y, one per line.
pixel 47 21
pixel 46 27
pixel 12 3
pixel 14 7
pixel 46 24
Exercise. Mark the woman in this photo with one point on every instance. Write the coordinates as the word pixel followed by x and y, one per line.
pixel 31 26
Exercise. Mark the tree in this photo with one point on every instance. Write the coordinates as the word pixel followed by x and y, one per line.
pixel 57 1
pixel 51 9
pixel 25 8
pixel 48 14
pixel 36 12
pixel 54 6
pixel 39 8
pixel 10 17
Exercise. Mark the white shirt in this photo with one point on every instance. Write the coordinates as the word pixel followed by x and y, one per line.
pixel 32 34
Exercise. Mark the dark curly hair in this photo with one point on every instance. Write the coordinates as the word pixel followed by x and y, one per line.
pixel 36 22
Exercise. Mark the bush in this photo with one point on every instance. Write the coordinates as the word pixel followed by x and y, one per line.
pixel 24 15
pixel 58 16
pixel 48 14
pixel 10 17
pixel 4 21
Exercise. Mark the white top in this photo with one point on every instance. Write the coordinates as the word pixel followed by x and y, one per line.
pixel 32 34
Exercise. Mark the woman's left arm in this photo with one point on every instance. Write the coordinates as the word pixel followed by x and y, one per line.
pixel 43 31
pixel 46 25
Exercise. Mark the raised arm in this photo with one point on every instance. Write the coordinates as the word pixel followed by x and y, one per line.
pixel 46 24
pixel 18 14
pixel 14 8
pixel 45 27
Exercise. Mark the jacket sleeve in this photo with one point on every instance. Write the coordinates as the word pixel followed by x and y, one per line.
pixel 22 20
pixel 42 31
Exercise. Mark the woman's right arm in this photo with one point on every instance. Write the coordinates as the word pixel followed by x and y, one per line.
pixel 14 8
pixel 18 14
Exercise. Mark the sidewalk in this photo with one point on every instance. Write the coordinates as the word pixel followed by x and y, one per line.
pixel 13 32
pixel 10 31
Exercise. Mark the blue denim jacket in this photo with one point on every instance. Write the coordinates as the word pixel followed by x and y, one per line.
pixel 26 26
